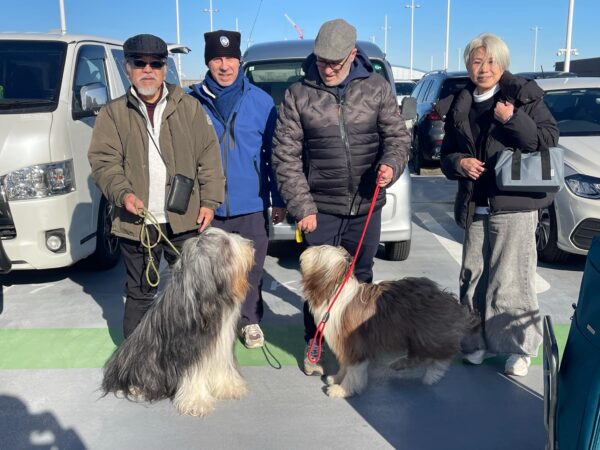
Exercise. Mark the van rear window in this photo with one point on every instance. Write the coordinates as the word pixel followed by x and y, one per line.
pixel 30 75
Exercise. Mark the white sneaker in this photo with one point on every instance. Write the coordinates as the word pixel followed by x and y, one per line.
pixel 477 357
pixel 253 336
pixel 517 365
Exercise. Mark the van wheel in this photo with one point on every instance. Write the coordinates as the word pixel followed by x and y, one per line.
pixel 397 251
pixel 546 236
pixel 416 155
pixel 108 251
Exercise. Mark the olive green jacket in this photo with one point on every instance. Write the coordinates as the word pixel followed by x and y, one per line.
pixel 118 155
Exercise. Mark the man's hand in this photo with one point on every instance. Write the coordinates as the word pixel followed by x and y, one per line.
pixel 133 204
pixel 277 215
pixel 205 217
pixel 385 175
pixel 473 167
pixel 308 224
pixel 503 111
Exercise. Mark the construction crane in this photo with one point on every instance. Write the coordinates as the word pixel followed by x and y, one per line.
pixel 296 27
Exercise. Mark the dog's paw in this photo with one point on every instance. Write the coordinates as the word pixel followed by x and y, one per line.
pixel 201 409
pixel 337 391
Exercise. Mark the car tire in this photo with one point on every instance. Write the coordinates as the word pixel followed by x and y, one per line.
pixel 397 251
pixel 416 155
pixel 108 250
pixel 546 237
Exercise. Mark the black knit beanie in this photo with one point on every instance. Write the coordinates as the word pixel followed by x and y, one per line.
pixel 221 43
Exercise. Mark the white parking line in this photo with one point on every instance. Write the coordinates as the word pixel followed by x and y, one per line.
pixel 43 286
pixel 455 249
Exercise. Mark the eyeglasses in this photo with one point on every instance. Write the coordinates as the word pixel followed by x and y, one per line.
pixel 141 64
pixel 335 66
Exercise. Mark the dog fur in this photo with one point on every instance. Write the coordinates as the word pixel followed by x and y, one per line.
pixel 183 347
pixel 409 325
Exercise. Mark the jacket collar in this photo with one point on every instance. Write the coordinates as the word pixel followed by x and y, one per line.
pixel 514 89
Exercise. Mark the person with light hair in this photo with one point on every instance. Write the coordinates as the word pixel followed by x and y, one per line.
pixel 494 111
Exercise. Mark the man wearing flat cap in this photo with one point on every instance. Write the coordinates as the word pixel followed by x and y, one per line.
pixel 339 131
pixel 141 142
pixel 244 119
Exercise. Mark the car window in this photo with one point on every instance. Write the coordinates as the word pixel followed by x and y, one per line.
pixel 577 111
pixel 423 93
pixel 452 86
pixel 417 90
pixel 432 92
pixel 30 75
pixel 90 68
pixel 404 88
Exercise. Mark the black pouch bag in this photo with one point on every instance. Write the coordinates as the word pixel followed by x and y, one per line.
pixel 179 193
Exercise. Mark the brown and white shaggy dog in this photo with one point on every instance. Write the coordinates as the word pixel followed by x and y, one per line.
pixel 405 324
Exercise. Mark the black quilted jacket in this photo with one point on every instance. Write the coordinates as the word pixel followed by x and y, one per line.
pixel 327 147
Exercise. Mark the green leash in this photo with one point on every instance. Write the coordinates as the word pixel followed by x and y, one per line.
pixel 150 220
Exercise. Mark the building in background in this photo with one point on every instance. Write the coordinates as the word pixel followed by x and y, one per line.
pixel 588 67
pixel 403 73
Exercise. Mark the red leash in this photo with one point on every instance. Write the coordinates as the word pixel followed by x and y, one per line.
pixel 321 326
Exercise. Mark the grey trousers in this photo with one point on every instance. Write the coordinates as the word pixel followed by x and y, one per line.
pixel 497 279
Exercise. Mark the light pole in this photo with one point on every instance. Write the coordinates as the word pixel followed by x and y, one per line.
pixel 458 63
pixel 385 30
pixel 210 11
pixel 569 30
pixel 535 41
pixel 178 41
pixel 412 7
pixel 447 37
pixel 63 22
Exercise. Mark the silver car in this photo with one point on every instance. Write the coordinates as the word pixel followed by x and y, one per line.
pixel 274 66
pixel 573 219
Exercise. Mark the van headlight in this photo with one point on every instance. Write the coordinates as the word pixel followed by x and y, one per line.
pixel 39 181
pixel 583 185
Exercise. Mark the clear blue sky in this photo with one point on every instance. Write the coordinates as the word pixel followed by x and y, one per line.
pixel 511 19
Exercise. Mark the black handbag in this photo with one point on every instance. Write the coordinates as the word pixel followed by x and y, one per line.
pixel 180 188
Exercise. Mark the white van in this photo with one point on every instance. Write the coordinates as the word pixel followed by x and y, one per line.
pixel 51 88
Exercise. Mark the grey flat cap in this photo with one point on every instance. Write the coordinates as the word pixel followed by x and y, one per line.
pixel 335 40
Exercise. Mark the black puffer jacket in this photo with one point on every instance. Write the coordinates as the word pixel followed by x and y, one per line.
pixel 327 147
pixel 531 124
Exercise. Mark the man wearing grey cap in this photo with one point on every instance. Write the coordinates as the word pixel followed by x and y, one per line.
pixel 339 129
pixel 141 141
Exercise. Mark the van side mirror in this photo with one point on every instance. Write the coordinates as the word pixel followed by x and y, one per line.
pixel 408 109
pixel 93 97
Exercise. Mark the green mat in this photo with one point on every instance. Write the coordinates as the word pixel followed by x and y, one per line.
pixel 70 348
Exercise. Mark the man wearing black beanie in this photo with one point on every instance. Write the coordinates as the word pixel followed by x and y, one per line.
pixel 244 118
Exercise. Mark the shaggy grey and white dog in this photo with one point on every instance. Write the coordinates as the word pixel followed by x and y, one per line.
pixel 183 347
pixel 405 324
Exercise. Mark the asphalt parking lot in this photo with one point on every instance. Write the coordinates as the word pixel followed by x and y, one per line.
pixel 58 327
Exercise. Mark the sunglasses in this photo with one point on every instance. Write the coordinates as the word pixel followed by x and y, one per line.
pixel 140 63
pixel 335 66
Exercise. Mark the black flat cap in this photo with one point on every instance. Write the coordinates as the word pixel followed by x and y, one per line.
pixel 145 44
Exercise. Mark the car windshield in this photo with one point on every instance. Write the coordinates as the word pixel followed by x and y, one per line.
pixel 275 77
pixel 452 86
pixel 30 75
pixel 577 111
pixel 404 88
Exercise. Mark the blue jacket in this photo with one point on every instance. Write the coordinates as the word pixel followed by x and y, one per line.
pixel 245 139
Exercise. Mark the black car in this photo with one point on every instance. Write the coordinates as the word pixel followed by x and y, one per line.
pixel 428 130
